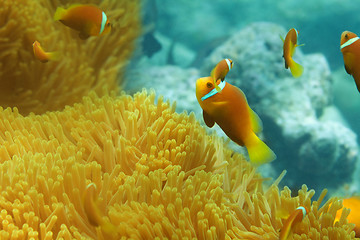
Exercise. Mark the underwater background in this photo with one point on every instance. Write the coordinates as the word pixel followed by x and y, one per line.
pixel 312 123
pixel 102 135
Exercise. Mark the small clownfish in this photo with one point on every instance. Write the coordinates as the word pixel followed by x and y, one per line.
pixel 296 217
pixel 94 214
pixel 43 56
pixel 89 20
pixel 350 48
pixel 353 204
pixel 290 43
pixel 220 71
pixel 230 110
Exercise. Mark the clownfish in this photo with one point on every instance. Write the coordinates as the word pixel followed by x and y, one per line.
pixel 350 48
pixel 353 204
pixel 230 110
pixel 93 212
pixel 89 20
pixel 43 56
pixel 296 217
pixel 220 71
pixel 290 43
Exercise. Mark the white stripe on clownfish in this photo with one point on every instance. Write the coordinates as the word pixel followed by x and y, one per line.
pixel 214 91
pixel 303 211
pixel 228 63
pixel 349 42
pixel 103 22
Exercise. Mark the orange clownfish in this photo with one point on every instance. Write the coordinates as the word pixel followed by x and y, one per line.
pixel 42 55
pixel 350 48
pixel 230 110
pixel 220 71
pixel 93 212
pixel 290 43
pixel 89 20
pixel 353 204
pixel 296 217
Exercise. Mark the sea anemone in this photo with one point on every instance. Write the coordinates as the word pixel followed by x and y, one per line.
pixel 124 166
pixel 84 65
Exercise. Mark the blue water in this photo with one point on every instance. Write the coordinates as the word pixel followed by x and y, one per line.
pixel 200 26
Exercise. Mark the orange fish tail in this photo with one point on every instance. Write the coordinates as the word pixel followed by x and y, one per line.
pixel 295 68
pixel 259 152
pixel 55 56
pixel 59 13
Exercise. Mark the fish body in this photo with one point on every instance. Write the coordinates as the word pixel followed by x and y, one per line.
pixel 94 214
pixel 43 56
pixel 290 43
pixel 296 217
pixel 230 110
pixel 350 48
pixel 220 71
pixel 89 20
pixel 353 204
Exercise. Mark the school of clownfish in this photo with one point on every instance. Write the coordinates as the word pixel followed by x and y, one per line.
pixel 222 103
pixel 226 105
pixel 88 20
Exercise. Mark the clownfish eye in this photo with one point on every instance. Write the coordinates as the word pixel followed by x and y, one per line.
pixel 108 24
pixel 209 85
pixel 346 36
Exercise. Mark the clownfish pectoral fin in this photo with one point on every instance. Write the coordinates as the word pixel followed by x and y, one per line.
pixel 208 120
pixel 282 39
pixel 300 45
pixel 259 152
pixel 347 69
pixel 296 69
pixel 357 80
pixel 256 123
pixel 349 60
pixel 59 13
pixel 83 36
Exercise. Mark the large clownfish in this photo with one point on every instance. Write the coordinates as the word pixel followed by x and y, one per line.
pixel 290 43
pixel 230 110
pixel 89 20
pixel 296 217
pixel 353 204
pixel 220 71
pixel 43 56
pixel 350 48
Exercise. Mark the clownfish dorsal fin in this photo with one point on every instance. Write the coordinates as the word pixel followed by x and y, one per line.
pixel 75 5
pixel 256 123
pixel 208 120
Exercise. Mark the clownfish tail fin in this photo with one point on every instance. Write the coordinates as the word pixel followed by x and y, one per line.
pixel 296 69
pixel 59 13
pixel 212 74
pixel 259 152
pixel 55 56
